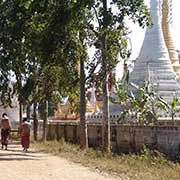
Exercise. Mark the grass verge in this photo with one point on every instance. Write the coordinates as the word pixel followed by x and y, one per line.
pixel 148 165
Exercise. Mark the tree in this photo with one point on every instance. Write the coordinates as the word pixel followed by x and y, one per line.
pixel 83 123
pixel 17 55
pixel 143 108
pixel 10 38
pixel 173 108
pixel 36 44
pixel 110 33
pixel 66 23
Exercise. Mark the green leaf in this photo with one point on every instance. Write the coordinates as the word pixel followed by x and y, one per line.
pixel 28 3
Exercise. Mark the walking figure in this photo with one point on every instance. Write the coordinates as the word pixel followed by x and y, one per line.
pixel 25 134
pixel 5 131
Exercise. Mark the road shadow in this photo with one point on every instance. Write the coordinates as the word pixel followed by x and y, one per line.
pixel 19 154
pixel 16 159
pixel 12 156
pixel 15 153
pixel 14 149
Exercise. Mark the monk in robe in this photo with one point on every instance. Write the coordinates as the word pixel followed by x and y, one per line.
pixel 25 134
pixel 5 131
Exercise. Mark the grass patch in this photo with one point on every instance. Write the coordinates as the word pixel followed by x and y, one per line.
pixel 147 165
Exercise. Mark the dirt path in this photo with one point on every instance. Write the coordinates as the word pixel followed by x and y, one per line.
pixel 16 165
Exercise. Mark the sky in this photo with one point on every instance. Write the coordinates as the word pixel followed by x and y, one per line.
pixel 137 34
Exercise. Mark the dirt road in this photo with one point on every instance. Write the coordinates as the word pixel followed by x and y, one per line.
pixel 17 165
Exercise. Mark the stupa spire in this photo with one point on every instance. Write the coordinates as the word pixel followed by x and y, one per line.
pixel 153 63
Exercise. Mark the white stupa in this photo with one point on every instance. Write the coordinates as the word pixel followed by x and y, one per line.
pixel 154 63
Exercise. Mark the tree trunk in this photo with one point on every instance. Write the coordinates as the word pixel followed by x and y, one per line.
pixel 45 121
pixel 20 111
pixel 106 122
pixel 83 123
pixel 35 121
pixel 28 111
pixel 19 80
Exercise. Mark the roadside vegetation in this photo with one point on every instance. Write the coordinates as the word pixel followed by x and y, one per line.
pixel 151 165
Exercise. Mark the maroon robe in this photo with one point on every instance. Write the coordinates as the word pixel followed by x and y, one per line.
pixel 5 136
pixel 25 135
